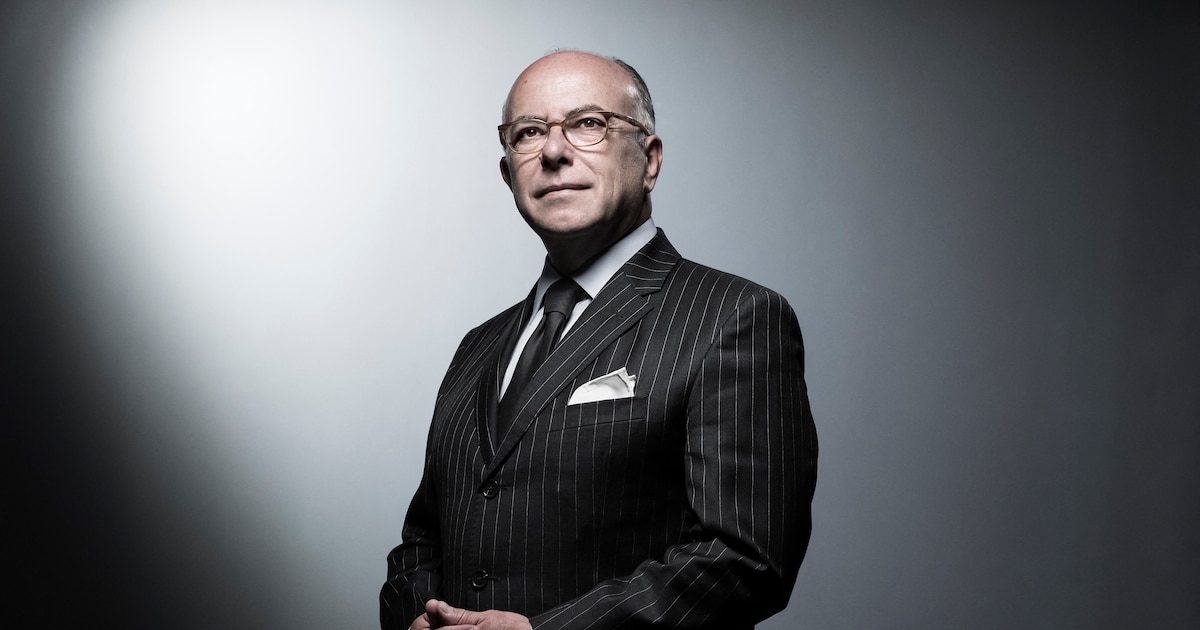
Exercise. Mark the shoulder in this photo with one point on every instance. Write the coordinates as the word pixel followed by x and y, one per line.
pixel 659 262
pixel 483 339
pixel 689 276
pixel 497 324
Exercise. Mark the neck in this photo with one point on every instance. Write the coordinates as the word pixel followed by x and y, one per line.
pixel 572 254
pixel 569 258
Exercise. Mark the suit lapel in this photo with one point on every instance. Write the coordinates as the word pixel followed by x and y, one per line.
pixel 487 395
pixel 618 306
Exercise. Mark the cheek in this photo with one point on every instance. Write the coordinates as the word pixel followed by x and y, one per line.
pixel 632 168
pixel 632 183
pixel 521 179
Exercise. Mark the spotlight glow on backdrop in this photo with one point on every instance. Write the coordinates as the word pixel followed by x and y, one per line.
pixel 250 213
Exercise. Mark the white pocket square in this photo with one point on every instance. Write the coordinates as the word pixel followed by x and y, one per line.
pixel 612 386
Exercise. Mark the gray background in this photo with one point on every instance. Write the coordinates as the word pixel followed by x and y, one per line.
pixel 242 240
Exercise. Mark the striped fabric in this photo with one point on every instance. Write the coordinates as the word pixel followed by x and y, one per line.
pixel 685 506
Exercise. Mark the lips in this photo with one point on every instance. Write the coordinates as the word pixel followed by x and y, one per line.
pixel 542 192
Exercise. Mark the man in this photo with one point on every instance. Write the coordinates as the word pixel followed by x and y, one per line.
pixel 655 464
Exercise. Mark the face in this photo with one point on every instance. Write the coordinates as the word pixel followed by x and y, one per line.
pixel 580 199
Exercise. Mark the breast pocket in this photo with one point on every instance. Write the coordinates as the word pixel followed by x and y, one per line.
pixel 602 412
pixel 590 450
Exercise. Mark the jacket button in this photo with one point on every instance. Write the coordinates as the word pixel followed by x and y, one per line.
pixel 490 489
pixel 479 580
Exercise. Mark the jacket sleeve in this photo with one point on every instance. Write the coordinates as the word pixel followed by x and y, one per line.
pixel 413 574
pixel 750 463
pixel 414 567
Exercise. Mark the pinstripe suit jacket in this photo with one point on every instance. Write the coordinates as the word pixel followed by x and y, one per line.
pixel 686 506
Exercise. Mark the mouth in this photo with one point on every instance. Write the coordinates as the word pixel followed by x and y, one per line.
pixel 557 188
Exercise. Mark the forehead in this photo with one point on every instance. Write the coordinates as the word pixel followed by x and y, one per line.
pixel 562 83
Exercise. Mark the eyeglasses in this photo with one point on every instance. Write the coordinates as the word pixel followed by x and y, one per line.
pixel 528 135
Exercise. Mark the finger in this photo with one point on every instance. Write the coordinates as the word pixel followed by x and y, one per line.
pixel 433 611
pixel 453 616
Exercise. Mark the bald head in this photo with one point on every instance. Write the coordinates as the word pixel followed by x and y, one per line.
pixel 639 105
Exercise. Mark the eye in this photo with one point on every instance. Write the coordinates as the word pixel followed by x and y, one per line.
pixel 526 133
pixel 589 121
pixel 530 131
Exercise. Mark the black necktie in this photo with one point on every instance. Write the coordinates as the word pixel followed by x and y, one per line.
pixel 557 305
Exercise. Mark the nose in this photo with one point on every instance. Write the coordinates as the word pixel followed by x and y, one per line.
pixel 557 151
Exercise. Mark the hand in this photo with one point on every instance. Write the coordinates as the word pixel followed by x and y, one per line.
pixel 439 614
pixel 421 623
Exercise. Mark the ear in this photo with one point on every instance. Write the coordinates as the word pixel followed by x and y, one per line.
pixel 504 174
pixel 653 149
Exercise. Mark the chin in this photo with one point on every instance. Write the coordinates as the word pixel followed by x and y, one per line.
pixel 563 223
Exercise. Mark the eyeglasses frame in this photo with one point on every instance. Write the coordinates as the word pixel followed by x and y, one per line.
pixel 607 115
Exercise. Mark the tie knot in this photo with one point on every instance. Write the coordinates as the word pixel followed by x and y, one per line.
pixel 562 296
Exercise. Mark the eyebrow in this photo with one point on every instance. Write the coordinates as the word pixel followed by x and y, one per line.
pixel 585 108
pixel 591 107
